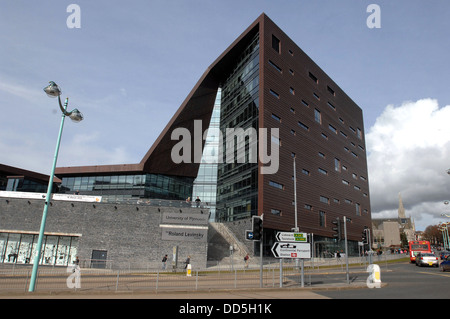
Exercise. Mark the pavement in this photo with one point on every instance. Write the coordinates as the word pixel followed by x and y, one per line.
pixel 288 291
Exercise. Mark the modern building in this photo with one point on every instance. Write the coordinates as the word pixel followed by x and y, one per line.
pixel 14 179
pixel 272 108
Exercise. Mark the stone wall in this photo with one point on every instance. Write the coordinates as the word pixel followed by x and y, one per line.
pixel 130 234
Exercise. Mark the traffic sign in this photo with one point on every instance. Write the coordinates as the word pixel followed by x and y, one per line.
pixel 292 237
pixel 291 250
pixel 249 235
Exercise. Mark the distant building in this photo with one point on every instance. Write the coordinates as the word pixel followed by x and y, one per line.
pixel 387 231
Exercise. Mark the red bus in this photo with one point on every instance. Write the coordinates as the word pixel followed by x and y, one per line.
pixel 416 247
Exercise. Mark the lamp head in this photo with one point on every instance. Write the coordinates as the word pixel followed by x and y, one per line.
pixel 52 89
pixel 76 115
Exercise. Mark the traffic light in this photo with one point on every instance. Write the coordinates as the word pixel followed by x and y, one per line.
pixel 337 228
pixel 364 236
pixel 257 227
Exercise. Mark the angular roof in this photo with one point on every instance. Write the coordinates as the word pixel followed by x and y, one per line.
pixel 198 105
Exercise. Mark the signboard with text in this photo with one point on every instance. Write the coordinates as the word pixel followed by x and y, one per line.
pixel 291 250
pixel 292 237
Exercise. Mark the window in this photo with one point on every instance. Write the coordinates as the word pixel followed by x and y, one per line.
pixel 291 52
pixel 317 116
pixel 275 43
pixel 324 136
pixel 274 93
pixel 305 103
pixel 331 105
pixel 275 66
pixel 313 77
pixel 321 154
pixel 337 165
pixel 330 90
pixel 276 212
pixel 345 182
pixel 358 209
pixel 332 128
pixel 292 110
pixel 308 207
pixel 323 171
pixel 293 132
pixel 324 199
pixel 303 125
pixel 305 172
pixel 276 185
pixel 292 90
pixel 316 96
pixel 359 133
pixel 322 219
pixel 291 72
pixel 276 117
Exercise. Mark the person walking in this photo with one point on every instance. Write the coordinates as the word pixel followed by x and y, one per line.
pixel 164 262
pixel 246 260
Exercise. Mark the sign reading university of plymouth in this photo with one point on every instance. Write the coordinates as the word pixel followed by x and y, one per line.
pixel 184 227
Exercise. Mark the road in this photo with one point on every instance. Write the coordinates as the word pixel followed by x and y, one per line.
pixel 404 281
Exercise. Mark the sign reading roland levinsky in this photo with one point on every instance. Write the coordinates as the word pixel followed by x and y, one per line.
pixel 184 227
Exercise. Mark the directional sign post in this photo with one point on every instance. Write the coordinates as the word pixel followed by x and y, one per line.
pixel 291 250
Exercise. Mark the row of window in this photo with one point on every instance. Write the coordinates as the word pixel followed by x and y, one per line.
pixel 318 119
pixel 322 199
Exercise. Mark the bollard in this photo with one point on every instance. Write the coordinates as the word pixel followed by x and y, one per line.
pixel 188 270
pixel 374 279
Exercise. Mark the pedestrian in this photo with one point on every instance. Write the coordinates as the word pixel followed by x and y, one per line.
pixel 246 259
pixel 197 201
pixel 187 262
pixel 164 262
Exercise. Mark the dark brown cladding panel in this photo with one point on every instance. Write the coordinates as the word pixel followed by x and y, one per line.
pixel 292 88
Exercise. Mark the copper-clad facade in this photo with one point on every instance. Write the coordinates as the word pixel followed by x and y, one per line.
pixel 319 126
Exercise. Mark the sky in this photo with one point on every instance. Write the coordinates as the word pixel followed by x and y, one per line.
pixel 130 65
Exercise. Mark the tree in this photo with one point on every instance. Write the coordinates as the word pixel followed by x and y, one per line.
pixel 433 235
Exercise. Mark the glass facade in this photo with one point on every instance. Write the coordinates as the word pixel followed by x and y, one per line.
pixel 237 183
pixel 20 248
pixel 116 188
pixel 205 185
pixel 25 185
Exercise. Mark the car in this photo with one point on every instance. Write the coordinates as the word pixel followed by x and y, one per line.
pixel 445 264
pixel 427 259
pixel 444 254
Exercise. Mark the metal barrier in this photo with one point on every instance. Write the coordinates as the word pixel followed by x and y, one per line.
pixel 217 277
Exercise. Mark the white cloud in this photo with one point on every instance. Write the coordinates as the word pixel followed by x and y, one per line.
pixel 408 153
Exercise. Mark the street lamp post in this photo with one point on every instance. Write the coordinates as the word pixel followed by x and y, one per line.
pixel 52 90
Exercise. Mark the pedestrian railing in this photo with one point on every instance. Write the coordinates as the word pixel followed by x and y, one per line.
pixel 275 274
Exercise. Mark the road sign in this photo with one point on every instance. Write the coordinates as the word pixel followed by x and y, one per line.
pixel 249 235
pixel 291 250
pixel 292 237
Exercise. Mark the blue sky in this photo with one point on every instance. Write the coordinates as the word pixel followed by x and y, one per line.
pixel 130 66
